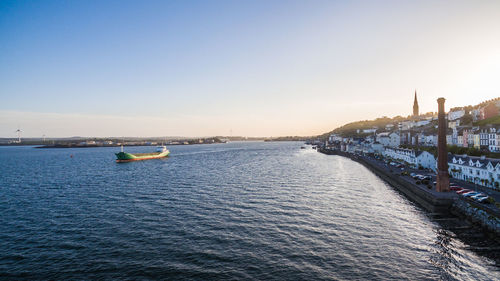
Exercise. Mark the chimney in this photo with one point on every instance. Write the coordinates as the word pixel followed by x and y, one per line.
pixel 443 179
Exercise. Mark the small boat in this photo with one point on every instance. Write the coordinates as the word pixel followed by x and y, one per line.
pixel 161 152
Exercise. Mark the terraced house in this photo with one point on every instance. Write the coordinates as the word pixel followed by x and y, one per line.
pixel 479 170
pixel 415 159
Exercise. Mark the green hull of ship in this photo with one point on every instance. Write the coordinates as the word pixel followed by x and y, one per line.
pixel 128 157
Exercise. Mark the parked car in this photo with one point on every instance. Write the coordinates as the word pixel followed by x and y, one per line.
pixel 470 194
pixel 484 200
pixel 412 174
pixel 475 197
pixel 455 188
pixel 465 190
pixel 418 177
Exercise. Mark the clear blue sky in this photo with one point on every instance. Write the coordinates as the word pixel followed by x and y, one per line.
pixel 258 68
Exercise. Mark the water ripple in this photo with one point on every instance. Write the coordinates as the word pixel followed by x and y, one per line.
pixel 268 211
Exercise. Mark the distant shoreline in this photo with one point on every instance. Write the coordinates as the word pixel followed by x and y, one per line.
pixel 93 146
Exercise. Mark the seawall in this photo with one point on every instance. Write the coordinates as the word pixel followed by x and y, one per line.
pixel 477 214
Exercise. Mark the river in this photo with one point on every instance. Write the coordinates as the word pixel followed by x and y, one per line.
pixel 242 210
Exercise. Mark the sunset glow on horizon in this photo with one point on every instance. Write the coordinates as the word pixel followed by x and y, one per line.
pixel 254 68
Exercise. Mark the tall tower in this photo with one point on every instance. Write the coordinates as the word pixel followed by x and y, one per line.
pixel 415 105
pixel 443 179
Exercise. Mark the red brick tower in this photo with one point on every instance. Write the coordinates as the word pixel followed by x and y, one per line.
pixel 443 179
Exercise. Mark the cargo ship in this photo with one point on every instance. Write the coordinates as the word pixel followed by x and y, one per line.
pixel 161 152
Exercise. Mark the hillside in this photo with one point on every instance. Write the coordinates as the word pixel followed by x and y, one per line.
pixel 490 121
pixel 351 128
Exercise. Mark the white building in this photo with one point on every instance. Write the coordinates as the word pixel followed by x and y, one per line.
pixel 395 140
pixel 401 154
pixel 478 170
pixel 411 157
pixel 493 140
pixel 449 139
pixel 476 113
pixel 352 148
pixel 378 148
pixel 384 139
pixel 334 138
pixel 427 140
pixel 426 160
pixel 454 115
pixel 406 125
pixel 422 122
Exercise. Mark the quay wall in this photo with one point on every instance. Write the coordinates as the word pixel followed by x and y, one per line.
pixel 476 213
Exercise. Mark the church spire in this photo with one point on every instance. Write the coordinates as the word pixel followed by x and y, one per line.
pixel 415 105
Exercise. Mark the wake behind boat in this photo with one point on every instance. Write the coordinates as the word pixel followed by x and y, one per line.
pixel 161 152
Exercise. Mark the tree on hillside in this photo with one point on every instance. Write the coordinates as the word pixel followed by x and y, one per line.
pixel 467 119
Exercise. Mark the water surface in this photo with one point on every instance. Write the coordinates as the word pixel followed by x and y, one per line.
pixel 268 211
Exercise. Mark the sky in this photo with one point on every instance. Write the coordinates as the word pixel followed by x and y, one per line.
pixel 246 68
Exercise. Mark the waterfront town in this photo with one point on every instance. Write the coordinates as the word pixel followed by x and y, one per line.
pixel 472 135
pixel 250 140
pixel 415 157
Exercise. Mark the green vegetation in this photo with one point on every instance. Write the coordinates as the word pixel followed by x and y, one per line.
pixel 471 151
pixel 289 138
pixel 355 129
pixel 466 120
pixel 350 129
pixel 490 121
